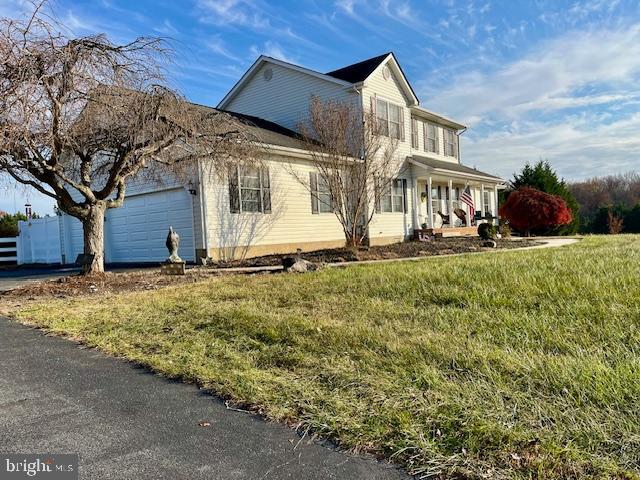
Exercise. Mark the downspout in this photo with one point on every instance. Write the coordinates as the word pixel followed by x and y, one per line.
pixel 459 151
pixel 203 209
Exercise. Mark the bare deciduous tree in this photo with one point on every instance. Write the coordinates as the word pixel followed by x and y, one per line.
pixel 81 117
pixel 355 164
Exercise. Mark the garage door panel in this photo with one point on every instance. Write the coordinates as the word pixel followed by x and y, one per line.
pixel 137 231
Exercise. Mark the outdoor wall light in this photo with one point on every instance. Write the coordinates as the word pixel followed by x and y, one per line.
pixel 192 188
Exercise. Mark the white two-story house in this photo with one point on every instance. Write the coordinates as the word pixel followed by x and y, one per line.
pixel 267 210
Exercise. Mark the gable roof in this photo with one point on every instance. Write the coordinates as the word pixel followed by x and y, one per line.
pixel 265 59
pixel 268 132
pixel 358 72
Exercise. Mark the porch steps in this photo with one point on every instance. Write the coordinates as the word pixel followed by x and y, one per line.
pixel 447 232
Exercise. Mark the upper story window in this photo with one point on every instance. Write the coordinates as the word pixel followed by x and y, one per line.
pixel 393 198
pixel 389 119
pixel 430 137
pixel 321 201
pixel 249 190
pixel 414 133
pixel 450 143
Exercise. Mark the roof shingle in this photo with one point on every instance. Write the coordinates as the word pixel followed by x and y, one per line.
pixel 358 72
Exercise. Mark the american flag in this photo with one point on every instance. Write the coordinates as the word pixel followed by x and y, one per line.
pixel 465 197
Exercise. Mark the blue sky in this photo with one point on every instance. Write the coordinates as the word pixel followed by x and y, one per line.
pixel 533 79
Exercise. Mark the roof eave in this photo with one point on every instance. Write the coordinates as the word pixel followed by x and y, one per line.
pixel 439 118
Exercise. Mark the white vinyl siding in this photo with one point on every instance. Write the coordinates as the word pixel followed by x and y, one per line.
pixel 291 222
pixel 285 98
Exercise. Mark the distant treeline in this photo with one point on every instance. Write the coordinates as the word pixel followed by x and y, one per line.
pixel 609 204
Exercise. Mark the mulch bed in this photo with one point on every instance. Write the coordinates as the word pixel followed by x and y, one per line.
pixel 439 246
pixel 110 282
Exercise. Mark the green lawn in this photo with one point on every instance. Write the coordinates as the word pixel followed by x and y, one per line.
pixel 515 364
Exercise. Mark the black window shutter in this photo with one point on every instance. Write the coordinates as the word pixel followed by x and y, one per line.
pixel 234 193
pixel 376 188
pixel 404 195
pixel 266 190
pixel 313 188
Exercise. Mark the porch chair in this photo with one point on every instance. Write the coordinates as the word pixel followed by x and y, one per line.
pixel 462 215
pixel 444 218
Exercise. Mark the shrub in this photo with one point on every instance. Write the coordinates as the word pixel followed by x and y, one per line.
pixel 505 230
pixel 487 231
pixel 614 223
pixel 541 176
pixel 529 210
pixel 9 224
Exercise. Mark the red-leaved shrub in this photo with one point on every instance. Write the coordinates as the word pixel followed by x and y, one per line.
pixel 528 209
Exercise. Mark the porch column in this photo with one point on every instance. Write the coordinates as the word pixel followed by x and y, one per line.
pixel 416 205
pixel 450 206
pixel 482 199
pixel 495 205
pixel 429 203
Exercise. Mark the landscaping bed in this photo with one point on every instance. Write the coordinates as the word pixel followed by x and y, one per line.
pixel 439 246
pixel 519 365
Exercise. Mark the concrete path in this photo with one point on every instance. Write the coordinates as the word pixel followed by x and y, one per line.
pixel 126 423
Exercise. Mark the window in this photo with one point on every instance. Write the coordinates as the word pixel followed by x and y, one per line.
pixel 249 190
pixel 414 133
pixel 486 205
pixel 389 119
pixel 430 137
pixel 320 194
pixel 393 198
pixel 450 145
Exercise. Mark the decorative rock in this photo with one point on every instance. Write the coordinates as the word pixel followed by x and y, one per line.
pixel 489 244
pixel 297 264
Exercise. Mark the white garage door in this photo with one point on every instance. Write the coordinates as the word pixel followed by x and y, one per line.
pixel 137 231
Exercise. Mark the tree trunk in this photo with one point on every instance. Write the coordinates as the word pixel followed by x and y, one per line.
pixel 93 229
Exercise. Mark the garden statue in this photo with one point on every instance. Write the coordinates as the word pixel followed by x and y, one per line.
pixel 173 242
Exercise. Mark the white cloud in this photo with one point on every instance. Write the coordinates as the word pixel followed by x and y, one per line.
pixel 541 105
pixel 580 148
pixel 271 49
pixel 555 70
pixel 217 46
pixel 234 12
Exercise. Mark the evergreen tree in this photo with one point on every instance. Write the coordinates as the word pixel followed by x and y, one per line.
pixel 542 177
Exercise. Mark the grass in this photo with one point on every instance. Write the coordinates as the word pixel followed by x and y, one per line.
pixel 509 365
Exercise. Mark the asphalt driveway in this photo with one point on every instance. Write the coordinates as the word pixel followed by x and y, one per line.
pixel 126 423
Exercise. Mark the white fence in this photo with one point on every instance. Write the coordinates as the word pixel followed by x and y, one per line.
pixel 39 241
pixel 8 250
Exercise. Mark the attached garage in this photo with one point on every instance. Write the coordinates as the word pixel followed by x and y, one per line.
pixel 137 231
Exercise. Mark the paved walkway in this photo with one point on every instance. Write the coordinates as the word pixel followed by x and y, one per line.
pixel 126 423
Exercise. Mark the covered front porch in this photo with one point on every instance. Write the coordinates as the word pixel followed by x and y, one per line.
pixel 438 187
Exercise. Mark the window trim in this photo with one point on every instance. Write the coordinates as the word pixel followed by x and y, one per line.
pixel 486 202
pixel 427 138
pixel 393 197
pixel 453 151
pixel 315 192
pixel 264 190
pixel 415 141
pixel 380 121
